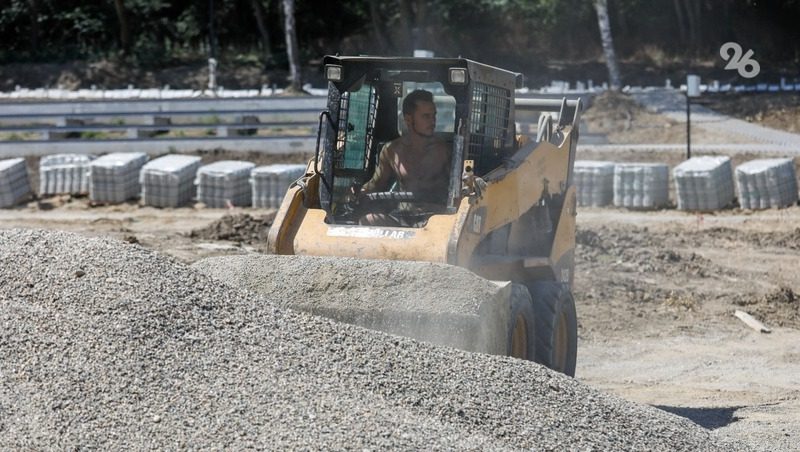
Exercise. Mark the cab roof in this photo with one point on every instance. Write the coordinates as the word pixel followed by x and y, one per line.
pixel 477 71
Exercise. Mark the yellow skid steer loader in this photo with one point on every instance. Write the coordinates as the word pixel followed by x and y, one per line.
pixel 491 270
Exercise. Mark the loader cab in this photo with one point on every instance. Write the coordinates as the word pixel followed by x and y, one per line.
pixel 475 118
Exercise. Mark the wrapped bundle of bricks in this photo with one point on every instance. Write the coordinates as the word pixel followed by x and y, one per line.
pixel 225 183
pixel 704 183
pixel 594 183
pixel 767 183
pixel 641 185
pixel 64 174
pixel 169 181
pixel 14 184
pixel 269 183
pixel 114 178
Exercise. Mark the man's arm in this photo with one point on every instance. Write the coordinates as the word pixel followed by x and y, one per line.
pixel 383 173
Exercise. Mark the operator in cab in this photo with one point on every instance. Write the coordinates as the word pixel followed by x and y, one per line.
pixel 417 161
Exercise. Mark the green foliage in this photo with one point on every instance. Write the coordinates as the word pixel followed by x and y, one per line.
pixel 523 32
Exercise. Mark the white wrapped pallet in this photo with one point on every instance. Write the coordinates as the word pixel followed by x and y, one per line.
pixel 594 182
pixel 704 183
pixel 14 183
pixel 270 182
pixel 224 183
pixel 641 185
pixel 767 183
pixel 64 174
pixel 168 181
pixel 114 178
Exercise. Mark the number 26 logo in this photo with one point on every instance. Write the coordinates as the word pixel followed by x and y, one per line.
pixel 739 62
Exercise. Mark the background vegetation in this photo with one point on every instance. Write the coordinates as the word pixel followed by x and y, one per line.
pixel 525 35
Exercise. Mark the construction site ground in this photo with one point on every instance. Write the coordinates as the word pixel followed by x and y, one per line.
pixel 656 291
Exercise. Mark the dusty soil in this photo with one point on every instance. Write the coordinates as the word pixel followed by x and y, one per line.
pixel 656 293
pixel 776 110
pixel 624 121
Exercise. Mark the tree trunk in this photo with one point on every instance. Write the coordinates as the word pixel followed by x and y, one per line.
pixel 124 29
pixel 421 40
pixel 258 11
pixel 681 21
pixel 291 46
pixel 212 33
pixel 699 33
pixel 690 19
pixel 405 24
pixel 377 27
pixel 601 6
pixel 35 31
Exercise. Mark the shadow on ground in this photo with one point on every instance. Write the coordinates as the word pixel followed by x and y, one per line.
pixel 710 418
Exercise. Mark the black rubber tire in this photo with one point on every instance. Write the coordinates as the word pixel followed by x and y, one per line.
pixel 521 325
pixel 556 326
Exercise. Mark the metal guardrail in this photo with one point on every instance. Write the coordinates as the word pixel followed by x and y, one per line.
pixel 141 118
pixel 229 120
pixel 155 106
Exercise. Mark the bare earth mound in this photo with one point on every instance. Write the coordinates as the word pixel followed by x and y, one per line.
pixel 107 345
pixel 242 227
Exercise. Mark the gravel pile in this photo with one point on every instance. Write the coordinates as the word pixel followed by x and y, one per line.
pixel 106 345
pixel 432 302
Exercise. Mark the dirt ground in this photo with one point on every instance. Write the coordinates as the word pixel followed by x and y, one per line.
pixel 656 291
pixel 624 121
pixel 776 110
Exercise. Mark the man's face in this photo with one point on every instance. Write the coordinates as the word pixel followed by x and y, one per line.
pixel 423 120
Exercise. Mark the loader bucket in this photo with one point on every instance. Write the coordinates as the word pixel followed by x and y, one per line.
pixel 436 303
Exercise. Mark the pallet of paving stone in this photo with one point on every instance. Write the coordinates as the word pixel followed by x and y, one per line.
pixel 641 185
pixel 14 183
pixel 64 174
pixel 270 182
pixel 704 183
pixel 594 182
pixel 114 178
pixel 225 184
pixel 767 183
pixel 168 181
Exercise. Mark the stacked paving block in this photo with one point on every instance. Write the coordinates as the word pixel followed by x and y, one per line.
pixel 704 183
pixel 114 178
pixel 594 183
pixel 14 184
pixel 169 181
pixel 641 185
pixel 269 183
pixel 225 183
pixel 767 183
pixel 64 174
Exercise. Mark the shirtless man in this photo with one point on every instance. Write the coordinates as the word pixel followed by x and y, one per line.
pixel 417 160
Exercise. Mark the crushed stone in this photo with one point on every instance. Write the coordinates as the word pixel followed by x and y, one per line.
pixel 107 345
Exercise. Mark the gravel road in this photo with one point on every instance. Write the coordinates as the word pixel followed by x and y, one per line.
pixel 107 345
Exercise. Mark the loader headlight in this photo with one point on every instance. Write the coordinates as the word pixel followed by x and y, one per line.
pixel 333 72
pixel 458 76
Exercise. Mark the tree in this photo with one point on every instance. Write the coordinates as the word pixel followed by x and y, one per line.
pixel 601 6
pixel 262 30
pixel 124 30
pixel 35 32
pixel 378 26
pixel 291 46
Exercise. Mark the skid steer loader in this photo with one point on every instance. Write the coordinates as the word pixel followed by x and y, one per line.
pixel 505 236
